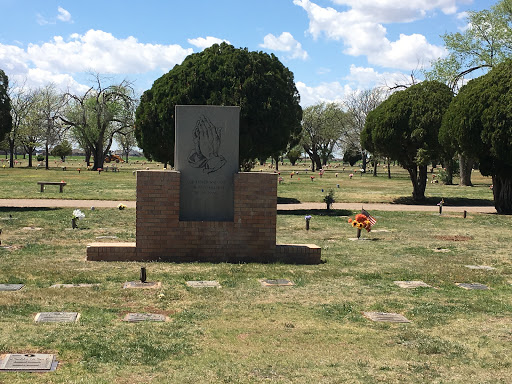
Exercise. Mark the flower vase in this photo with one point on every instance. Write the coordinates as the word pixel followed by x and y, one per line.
pixel 307 225
pixel 73 223
pixel 358 233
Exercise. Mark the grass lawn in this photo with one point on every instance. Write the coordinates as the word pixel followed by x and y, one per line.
pixel 313 332
pixel 21 182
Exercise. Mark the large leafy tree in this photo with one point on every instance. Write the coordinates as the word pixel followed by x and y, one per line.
pixel 405 128
pixel 486 42
pixel 5 106
pixel 223 75
pixel 323 126
pixel 479 122
pixel 98 115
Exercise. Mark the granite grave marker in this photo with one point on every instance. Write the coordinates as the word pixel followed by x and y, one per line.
pixel 38 362
pixel 206 155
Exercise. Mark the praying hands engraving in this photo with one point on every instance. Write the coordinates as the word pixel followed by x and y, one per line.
pixel 207 139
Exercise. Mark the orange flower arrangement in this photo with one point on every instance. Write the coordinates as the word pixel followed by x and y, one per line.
pixel 361 222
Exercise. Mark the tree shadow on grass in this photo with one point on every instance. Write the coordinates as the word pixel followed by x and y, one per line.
pixel 27 209
pixel 449 201
pixel 287 200
pixel 314 212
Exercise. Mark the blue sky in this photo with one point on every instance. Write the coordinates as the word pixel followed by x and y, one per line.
pixel 334 47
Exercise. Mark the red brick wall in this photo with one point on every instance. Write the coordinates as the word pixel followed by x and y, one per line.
pixel 250 237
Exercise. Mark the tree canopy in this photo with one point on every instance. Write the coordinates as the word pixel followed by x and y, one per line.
pixel 323 125
pixel 484 43
pixel 405 128
pixel 98 115
pixel 223 75
pixel 5 106
pixel 479 123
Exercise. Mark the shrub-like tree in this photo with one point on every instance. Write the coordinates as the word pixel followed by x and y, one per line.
pixel 5 106
pixel 479 121
pixel 223 75
pixel 405 128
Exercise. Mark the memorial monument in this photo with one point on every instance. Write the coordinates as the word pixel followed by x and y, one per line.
pixel 205 210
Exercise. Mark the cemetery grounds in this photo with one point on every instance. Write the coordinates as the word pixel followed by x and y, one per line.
pixel 311 332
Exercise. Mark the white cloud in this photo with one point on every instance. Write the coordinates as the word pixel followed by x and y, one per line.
pixel 59 60
pixel 64 15
pixel 101 52
pixel 393 11
pixel 327 92
pixel 207 42
pixel 367 78
pixel 362 32
pixel 285 43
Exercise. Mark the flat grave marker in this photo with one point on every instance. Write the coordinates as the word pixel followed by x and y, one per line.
pixel 482 267
pixel 142 317
pixel 203 284
pixel 412 284
pixel 38 362
pixel 386 317
pixel 441 250
pixel 473 286
pixel 106 237
pixel 141 285
pixel 276 283
pixel 31 228
pixel 57 317
pixel 11 287
pixel 81 285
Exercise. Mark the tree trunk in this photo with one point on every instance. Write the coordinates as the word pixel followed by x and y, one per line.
pixel 31 149
pixel 418 177
pixel 88 156
pixel 363 155
pixel 450 164
pixel 46 155
pixel 466 165
pixel 11 153
pixel 276 159
pixel 375 168
pixel 502 191
pixel 99 158
pixel 389 168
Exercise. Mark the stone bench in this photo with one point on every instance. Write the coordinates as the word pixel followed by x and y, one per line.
pixel 59 183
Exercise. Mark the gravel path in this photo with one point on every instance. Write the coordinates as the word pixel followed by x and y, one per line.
pixel 51 203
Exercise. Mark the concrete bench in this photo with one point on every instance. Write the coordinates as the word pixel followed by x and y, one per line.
pixel 59 183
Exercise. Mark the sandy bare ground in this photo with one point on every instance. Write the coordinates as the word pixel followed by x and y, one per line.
pixel 55 203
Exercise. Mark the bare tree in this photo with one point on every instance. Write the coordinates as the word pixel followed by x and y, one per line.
pixel 21 104
pixel 359 104
pixel 98 115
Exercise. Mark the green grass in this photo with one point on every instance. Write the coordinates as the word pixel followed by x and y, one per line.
pixel 243 333
pixel 21 182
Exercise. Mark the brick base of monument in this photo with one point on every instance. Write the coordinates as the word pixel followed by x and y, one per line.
pixel 161 236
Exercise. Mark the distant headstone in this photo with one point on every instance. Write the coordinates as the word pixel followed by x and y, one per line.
pixel 203 284
pixel 412 284
pixel 386 317
pixel 141 285
pixel 482 267
pixel 81 285
pixel 57 317
pixel 206 155
pixel 11 287
pixel 28 362
pixel 141 317
pixel 276 283
pixel 473 286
